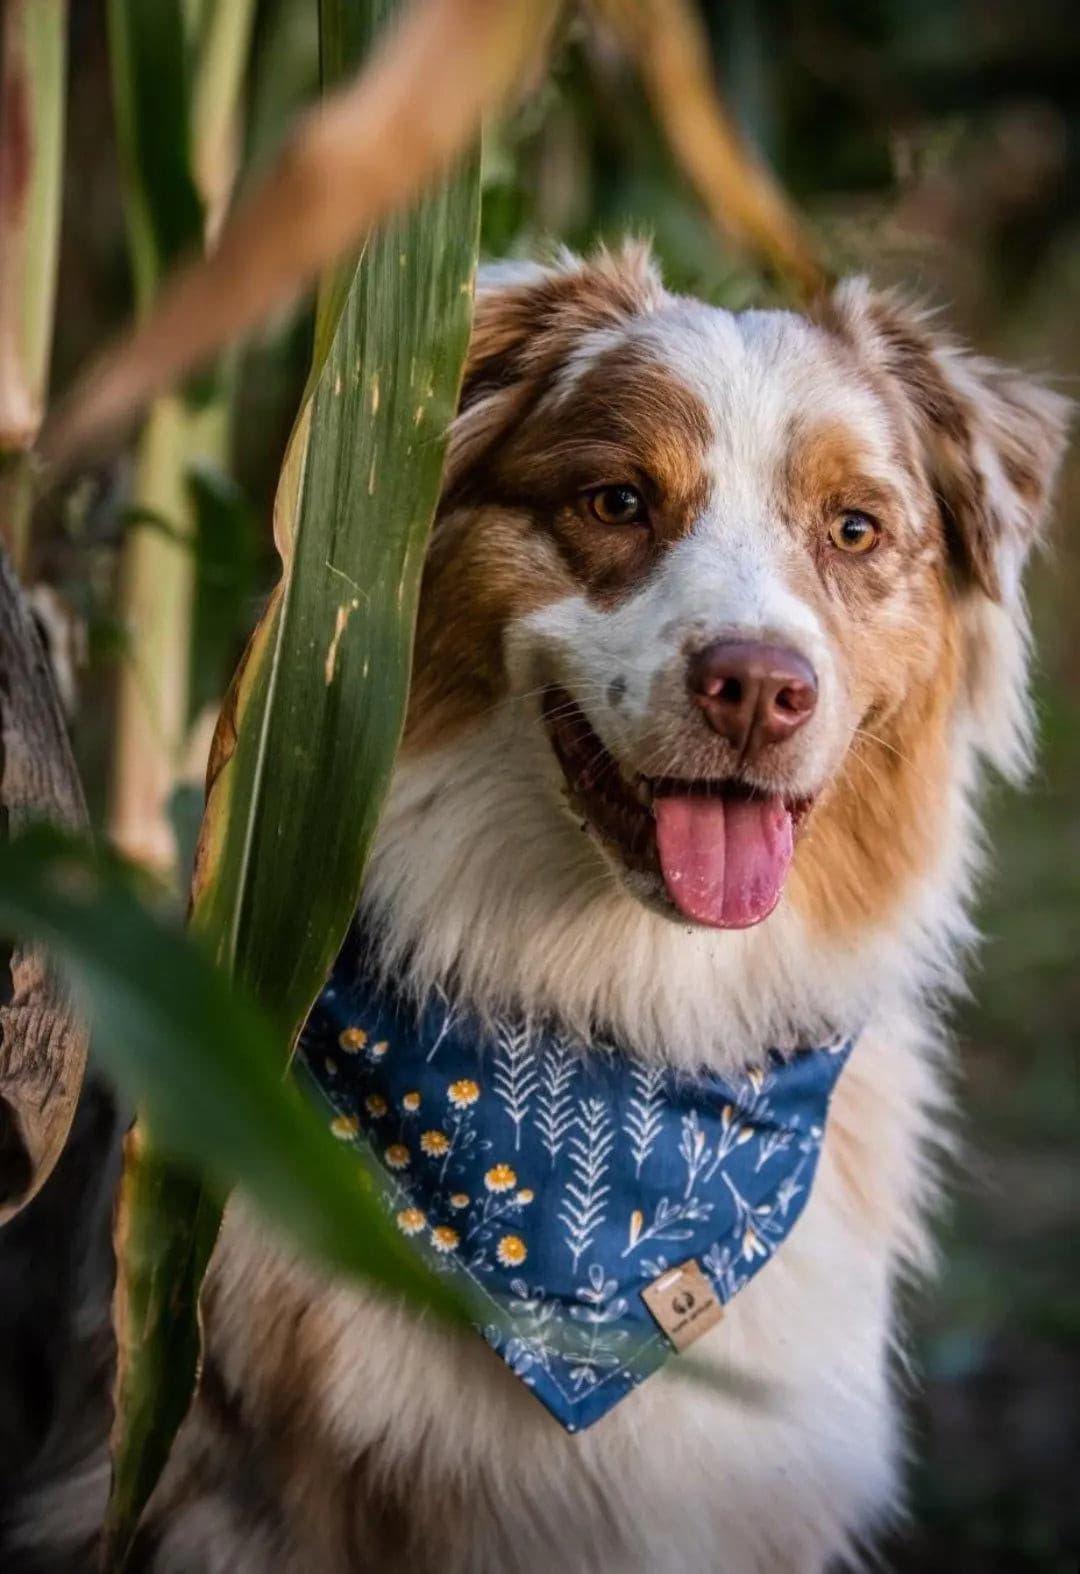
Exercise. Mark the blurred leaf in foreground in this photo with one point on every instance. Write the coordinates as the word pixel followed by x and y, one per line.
pixel 198 1055
pixel 360 157
pixel 668 42
pixel 201 1061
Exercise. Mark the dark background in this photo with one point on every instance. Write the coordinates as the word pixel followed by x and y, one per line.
pixel 936 145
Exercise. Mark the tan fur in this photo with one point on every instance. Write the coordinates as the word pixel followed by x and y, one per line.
pixel 336 1432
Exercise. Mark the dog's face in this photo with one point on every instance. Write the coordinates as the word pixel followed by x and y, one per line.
pixel 736 566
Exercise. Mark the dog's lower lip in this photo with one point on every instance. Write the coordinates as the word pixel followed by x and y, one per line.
pixel 620 811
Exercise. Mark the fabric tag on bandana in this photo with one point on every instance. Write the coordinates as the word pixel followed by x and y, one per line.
pixel 684 1304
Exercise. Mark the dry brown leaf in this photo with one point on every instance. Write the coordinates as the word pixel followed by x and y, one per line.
pixel 667 41
pixel 349 164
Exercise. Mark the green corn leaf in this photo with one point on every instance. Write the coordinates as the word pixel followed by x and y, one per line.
pixel 307 740
pixel 203 1062
pixel 317 712
pixel 197 1054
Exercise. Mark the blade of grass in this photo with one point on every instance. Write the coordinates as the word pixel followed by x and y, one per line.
pixel 361 157
pixel 668 42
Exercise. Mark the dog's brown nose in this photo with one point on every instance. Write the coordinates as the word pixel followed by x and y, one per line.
pixel 752 694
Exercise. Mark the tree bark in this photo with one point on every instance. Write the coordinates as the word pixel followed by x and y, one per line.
pixel 42 1043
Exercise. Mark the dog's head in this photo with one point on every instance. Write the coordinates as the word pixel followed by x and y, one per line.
pixel 755 575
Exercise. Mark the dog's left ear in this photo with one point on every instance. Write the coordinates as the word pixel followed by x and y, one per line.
pixel 991 440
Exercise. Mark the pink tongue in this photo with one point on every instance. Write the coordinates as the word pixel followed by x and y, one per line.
pixel 724 860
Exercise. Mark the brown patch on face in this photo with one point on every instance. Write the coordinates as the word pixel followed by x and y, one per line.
pixel 627 419
pixel 484 567
pixel 516 532
pixel 989 441
pixel 879 824
pixel 830 472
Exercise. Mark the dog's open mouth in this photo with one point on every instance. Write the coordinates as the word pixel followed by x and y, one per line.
pixel 721 848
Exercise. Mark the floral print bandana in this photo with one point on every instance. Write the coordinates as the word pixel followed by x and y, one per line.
pixel 566 1182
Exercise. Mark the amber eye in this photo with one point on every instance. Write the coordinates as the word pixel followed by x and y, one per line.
pixel 618 505
pixel 853 532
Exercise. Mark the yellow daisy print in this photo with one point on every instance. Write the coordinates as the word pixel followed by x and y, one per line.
pixel 410 1221
pixel 435 1143
pixel 443 1238
pixel 463 1092
pixel 459 1200
pixel 397 1156
pixel 377 1051
pixel 411 1102
pixel 345 1126
pixel 376 1105
pixel 500 1177
pixel 525 1196
pixel 352 1039
pixel 511 1251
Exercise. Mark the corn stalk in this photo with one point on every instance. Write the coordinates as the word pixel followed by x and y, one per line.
pixel 177 77
pixel 33 41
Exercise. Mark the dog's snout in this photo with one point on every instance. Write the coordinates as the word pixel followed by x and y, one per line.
pixel 752 694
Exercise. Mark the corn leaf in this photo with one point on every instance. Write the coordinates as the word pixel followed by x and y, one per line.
pixel 378 140
pixel 668 41
pixel 201 1060
pixel 308 740
pixel 151 71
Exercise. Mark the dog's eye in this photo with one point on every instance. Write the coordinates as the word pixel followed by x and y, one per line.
pixel 853 532
pixel 618 505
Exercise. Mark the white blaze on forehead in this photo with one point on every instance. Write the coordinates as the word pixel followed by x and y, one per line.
pixel 762 376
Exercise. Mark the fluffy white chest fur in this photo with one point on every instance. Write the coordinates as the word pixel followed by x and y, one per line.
pixel 720 617
pixel 793 1456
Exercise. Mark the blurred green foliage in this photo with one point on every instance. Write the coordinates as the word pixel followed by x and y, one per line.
pixel 935 143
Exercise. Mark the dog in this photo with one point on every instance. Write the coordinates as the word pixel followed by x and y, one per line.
pixel 721 623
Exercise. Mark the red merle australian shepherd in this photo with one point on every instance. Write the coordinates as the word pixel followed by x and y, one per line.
pixel 722 620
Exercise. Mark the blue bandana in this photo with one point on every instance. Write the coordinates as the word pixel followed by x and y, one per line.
pixel 568 1188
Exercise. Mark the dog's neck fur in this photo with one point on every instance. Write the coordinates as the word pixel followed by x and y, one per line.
pixel 481 883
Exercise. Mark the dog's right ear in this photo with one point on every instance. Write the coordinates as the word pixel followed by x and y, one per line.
pixel 530 317
pixel 528 322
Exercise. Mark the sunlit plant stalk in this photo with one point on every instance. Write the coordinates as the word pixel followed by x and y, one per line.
pixel 33 40
pixel 158 564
